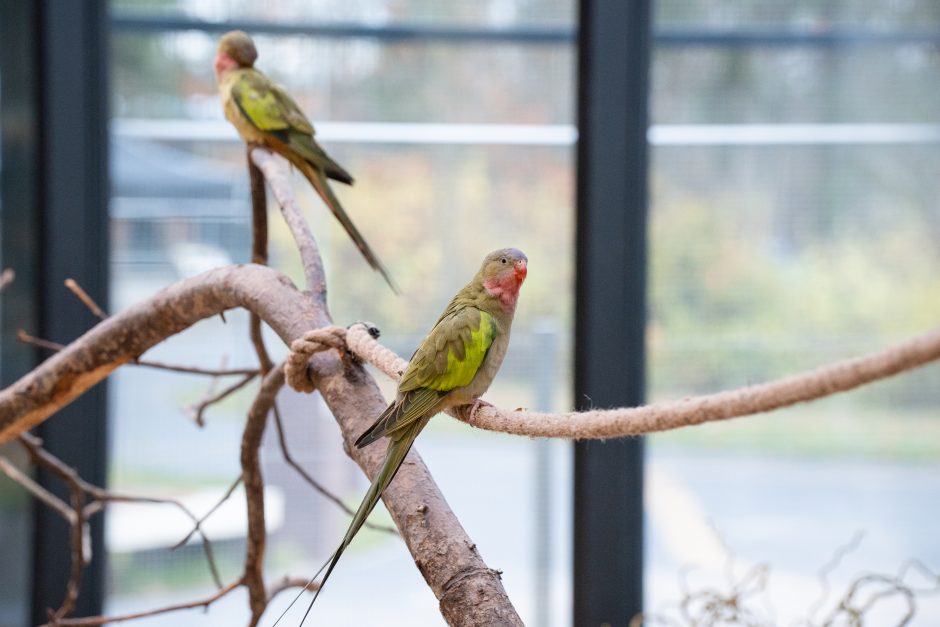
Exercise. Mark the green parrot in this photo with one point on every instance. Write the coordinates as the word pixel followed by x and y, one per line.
pixel 454 365
pixel 264 113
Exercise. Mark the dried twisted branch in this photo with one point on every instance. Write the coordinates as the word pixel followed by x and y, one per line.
pixel 737 605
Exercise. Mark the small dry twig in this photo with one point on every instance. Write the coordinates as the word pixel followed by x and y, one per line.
pixel 292 582
pixel 198 410
pixel 316 485
pixel 6 278
pixel 197 524
pixel 83 296
pixel 89 621
pixel 26 338
pixel 100 496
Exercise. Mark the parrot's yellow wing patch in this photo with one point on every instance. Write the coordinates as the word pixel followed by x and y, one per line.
pixel 452 353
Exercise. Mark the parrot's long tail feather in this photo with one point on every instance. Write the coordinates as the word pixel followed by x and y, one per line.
pixel 397 451
pixel 319 181
pixel 301 593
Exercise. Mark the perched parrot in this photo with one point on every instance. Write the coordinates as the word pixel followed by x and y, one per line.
pixel 264 113
pixel 454 365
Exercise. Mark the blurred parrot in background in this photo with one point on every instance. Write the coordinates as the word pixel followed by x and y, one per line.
pixel 454 365
pixel 264 113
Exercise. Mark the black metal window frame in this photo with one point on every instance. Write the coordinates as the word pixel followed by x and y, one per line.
pixel 55 193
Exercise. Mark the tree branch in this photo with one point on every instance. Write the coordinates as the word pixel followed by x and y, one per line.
pixel 87 300
pixel 6 278
pixel 276 174
pixel 468 591
pixel 259 254
pixel 103 620
pixel 254 491
pixel 44 495
pixel 313 483
pixel 197 410
pixel 123 337
pixel 55 347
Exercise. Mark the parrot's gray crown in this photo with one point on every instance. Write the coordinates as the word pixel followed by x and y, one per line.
pixel 238 45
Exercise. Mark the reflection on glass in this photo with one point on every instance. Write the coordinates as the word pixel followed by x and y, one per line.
pixel 431 211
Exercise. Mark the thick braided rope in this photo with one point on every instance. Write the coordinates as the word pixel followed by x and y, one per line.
pixel 610 423
pixel 301 349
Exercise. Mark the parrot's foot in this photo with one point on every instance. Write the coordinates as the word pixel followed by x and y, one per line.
pixel 477 404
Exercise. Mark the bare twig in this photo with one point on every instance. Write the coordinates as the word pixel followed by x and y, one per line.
pixel 197 526
pixel 824 586
pixel 83 296
pixel 51 500
pixel 292 582
pixel 79 533
pixel 313 483
pixel 26 338
pixel 197 411
pixel 103 620
pixel 100 496
pixel 209 372
pixel 6 278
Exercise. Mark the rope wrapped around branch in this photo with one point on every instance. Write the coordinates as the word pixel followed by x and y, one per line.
pixel 626 421
pixel 302 349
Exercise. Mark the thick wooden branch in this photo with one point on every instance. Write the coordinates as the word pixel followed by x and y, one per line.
pixel 123 337
pixel 468 591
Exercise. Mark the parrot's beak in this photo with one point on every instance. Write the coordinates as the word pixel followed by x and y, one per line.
pixel 522 269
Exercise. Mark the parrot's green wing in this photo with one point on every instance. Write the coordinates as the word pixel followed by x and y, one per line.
pixel 267 105
pixel 448 358
pixel 272 110
pixel 453 351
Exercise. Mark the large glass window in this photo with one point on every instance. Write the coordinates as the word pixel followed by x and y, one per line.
pixel 793 222
pixel 458 148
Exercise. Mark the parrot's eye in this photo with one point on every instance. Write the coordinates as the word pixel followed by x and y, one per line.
pixel 503 260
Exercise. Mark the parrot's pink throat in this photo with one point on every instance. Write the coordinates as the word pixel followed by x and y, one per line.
pixel 223 63
pixel 505 286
